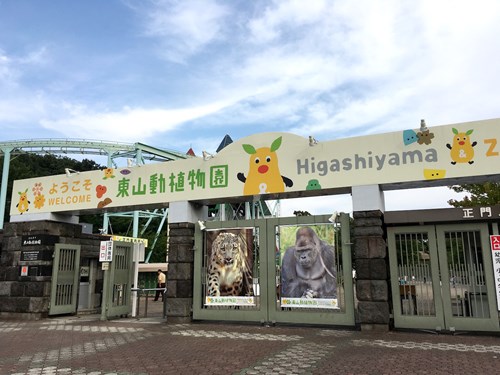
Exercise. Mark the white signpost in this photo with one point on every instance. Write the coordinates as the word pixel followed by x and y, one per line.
pixel 495 254
pixel 106 251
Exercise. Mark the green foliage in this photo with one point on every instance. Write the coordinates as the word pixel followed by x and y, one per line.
pixel 487 194
pixel 160 249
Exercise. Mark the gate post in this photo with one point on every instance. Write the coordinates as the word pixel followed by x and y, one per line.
pixel 370 254
pixel 181 219
pixel 31 245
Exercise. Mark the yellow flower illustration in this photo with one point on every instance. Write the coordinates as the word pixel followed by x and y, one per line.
pixel 108 173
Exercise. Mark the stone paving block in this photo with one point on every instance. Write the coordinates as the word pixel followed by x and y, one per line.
pixel 87 345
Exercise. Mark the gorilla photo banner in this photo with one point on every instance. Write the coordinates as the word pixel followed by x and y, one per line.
pixel 308 266
pixel 229 254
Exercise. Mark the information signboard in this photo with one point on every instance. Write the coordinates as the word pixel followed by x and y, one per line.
pixel 495 254
pixel 106 251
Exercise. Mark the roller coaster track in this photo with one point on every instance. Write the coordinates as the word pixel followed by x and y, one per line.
pixel 112 150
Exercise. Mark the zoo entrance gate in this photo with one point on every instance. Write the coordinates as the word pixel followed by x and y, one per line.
pixel 441 272
pixel 267 243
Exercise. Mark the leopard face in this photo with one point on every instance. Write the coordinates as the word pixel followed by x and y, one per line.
pixel 228 271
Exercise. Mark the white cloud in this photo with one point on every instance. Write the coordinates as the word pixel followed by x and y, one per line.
pixel 358 64
pixel 185 27
pixel 325 68
pixel 23 108
pixel 282 15
pixel 4 61
pixel 396 200
pixel 424 198
pixel 8 74
pixel 324 205
pixel 130 124
pixel 38 56
pixel 308 75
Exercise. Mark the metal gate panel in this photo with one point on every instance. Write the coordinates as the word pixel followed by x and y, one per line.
pixel 442 277
pixel 416 294
pixel 256 312
pixel 65 272
pixel 467 277
pixel 119 302
pixel 343 314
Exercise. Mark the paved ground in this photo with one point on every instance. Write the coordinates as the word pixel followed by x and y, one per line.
pixel 86 345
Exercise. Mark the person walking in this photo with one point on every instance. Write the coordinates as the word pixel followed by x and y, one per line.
pixel 160 284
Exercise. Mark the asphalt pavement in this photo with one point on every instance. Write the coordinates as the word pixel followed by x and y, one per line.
pixel 86 345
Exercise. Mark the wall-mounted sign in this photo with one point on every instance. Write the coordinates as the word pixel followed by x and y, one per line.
pixel 24 270
pixel 39 240
pixel 36 255
pixel 272 164
pixel 106 251
pixel 30 256
pixel 84 271
pixel 495 253
pixel 130 239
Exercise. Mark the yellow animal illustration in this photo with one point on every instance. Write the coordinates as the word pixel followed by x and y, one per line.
pixel 263 172
pixel 424 135
pixel 23 204
pixel 39 201
pixel 434 174
pixel 462 150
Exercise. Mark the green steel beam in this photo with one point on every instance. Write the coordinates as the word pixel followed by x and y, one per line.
pixel 91 147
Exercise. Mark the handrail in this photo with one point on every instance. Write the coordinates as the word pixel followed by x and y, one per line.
pixel 147 290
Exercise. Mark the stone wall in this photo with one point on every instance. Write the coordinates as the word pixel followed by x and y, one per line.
pixel 180 272
pixel 29 296
pixel 372 273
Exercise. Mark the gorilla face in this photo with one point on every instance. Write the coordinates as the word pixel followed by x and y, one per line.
pixel 305 257
pixel 307 247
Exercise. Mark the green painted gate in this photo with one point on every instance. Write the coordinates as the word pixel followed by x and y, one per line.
pixel 118 280
pixel 442 277
pixel 266 241
pixel 65 272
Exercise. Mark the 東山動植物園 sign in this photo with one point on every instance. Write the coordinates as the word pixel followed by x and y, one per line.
pixel 274 164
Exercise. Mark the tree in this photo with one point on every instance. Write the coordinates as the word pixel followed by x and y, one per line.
pixel 487 194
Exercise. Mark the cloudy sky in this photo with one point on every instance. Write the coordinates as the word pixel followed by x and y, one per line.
pixel 177 74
